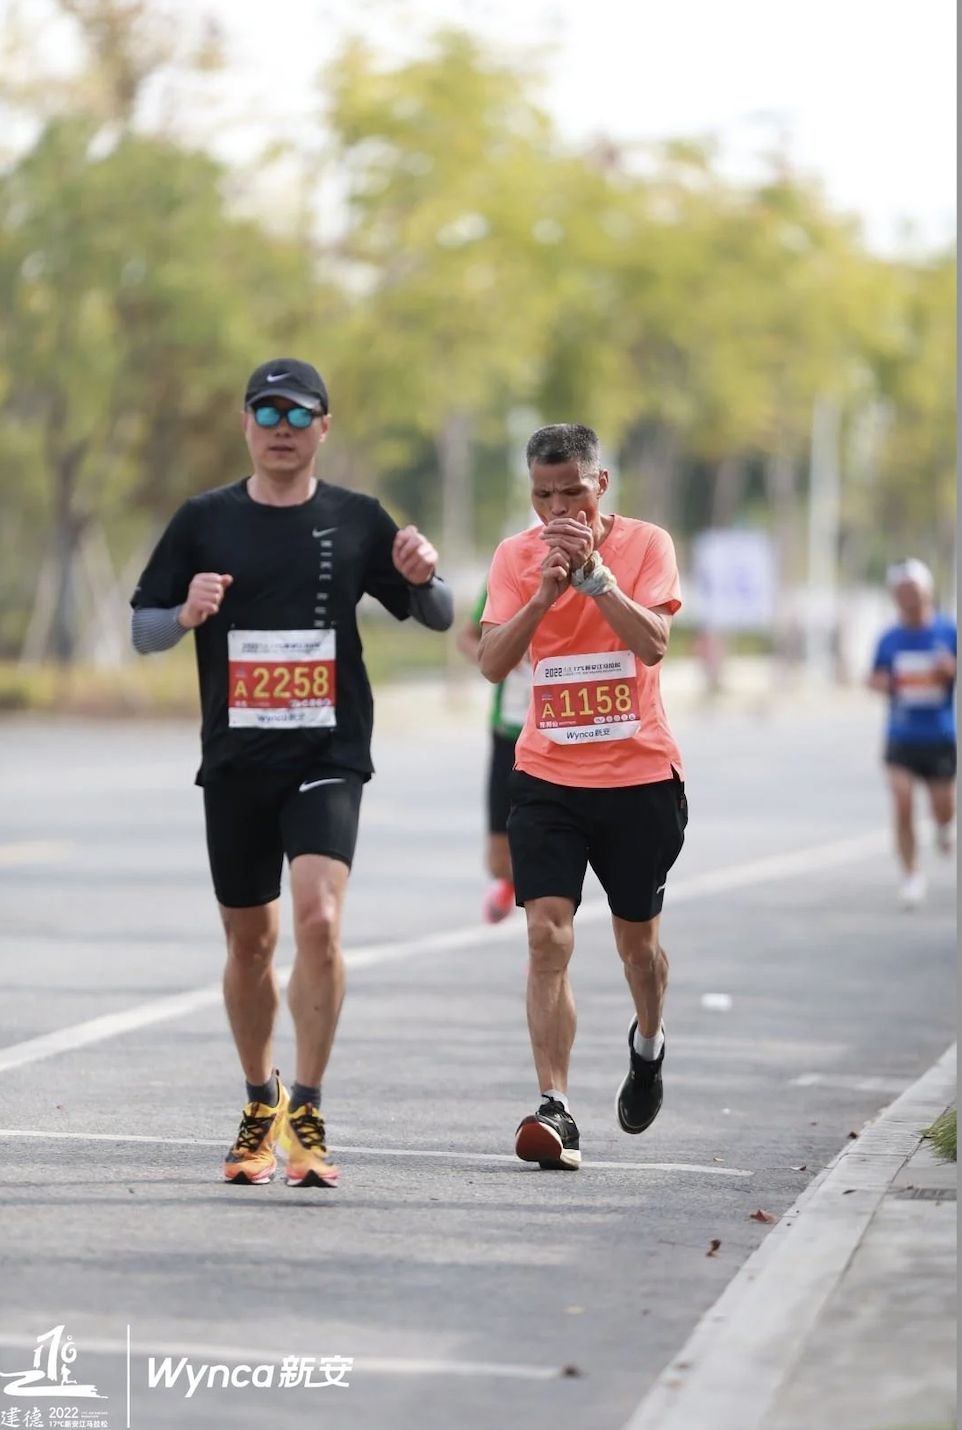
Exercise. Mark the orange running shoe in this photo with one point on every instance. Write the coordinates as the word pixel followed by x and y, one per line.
pixel 498 901
pixel 303 1141
pixel 251 1160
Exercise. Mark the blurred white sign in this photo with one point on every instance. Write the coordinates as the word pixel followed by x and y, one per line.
pixel 734 580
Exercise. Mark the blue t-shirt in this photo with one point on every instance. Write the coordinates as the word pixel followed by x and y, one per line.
pixel 921 710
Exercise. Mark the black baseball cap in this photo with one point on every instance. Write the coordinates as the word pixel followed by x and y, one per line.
pixel 287 377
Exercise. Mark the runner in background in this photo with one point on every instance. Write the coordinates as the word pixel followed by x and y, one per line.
pixel 914 667
pixel 508 711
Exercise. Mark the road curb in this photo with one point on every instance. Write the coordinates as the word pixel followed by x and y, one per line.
pixel 732 1366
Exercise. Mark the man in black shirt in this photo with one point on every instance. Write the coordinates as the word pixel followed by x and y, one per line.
pixel 268 572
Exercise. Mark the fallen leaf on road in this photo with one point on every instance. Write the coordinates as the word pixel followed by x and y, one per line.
pixel 571 1371
pixel 852 1136
pixel 763 1216
pixel 803 1167
pixel 713 1246
pixel 848 1191
pixel 718 1159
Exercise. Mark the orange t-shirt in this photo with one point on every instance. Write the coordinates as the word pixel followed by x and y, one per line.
pixel 596 717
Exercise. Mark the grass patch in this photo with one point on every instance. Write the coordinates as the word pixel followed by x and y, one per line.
pixel 157 685
pixel 942 1135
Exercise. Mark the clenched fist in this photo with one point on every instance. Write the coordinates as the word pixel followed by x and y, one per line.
pixel 414 556
pixel 555 577
pixel 204 596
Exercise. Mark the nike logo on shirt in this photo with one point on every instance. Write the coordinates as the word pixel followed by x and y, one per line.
pixel 326 532
pixel 315 784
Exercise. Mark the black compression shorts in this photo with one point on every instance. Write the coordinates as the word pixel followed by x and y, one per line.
pixel 499 773
pixel 630 835
pixel 935 761
pixel 256 818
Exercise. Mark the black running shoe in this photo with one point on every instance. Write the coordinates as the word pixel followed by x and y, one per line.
pixel 549 1137
pixel 639 1097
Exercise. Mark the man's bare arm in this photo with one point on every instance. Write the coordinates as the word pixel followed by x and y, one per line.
pixel 503 647
pixel 644 629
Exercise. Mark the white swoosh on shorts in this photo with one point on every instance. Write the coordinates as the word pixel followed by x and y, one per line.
pixel 314 784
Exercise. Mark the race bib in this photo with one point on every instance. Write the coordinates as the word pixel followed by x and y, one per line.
pixel 580 699
pixel 281 680
pixel 916 682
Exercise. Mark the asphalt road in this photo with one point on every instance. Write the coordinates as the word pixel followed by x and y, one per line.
pixel 468 1289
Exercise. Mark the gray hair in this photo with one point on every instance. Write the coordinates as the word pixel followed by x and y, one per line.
pixel 564 442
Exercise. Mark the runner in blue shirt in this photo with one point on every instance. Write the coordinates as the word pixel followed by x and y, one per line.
pixel 915 667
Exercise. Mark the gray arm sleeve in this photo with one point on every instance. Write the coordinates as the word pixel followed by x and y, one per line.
pixel 154 629
pixel 433 605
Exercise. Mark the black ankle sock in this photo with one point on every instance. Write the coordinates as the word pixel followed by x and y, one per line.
pixel 301 1095
pixel 266 1093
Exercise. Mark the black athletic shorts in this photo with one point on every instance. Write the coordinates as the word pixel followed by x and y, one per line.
pixel 499 772
pixel 630 835
pixel 929 762
pixel 256 818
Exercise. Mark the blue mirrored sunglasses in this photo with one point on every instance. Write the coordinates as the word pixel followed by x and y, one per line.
pixel 267 415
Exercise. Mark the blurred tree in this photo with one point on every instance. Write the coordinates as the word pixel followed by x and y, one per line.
pixel 458 273
pixel 135 304
pixel 911 506
pixel 445 160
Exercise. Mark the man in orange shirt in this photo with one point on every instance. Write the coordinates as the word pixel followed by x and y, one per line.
pixel 598 777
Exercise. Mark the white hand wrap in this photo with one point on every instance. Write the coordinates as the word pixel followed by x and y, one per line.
pixel 600 580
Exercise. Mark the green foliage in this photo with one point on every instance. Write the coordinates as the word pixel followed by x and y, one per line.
pixel 943 1134
pixel 476 276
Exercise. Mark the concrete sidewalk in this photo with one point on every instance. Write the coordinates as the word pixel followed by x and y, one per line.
pixel 882 1353
pixel 847 1312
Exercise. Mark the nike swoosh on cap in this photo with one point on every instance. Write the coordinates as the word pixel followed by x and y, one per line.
pixel 315 784
pixel 277 376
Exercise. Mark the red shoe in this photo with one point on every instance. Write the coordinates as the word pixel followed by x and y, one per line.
pixel 498 901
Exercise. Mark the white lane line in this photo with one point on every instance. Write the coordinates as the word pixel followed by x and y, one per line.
pixel 251 1355
pixel 700 886
pixel 111 1025
pixel 32 851
pixel 444 1154
pixel 850 1082
pixel 729 1373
